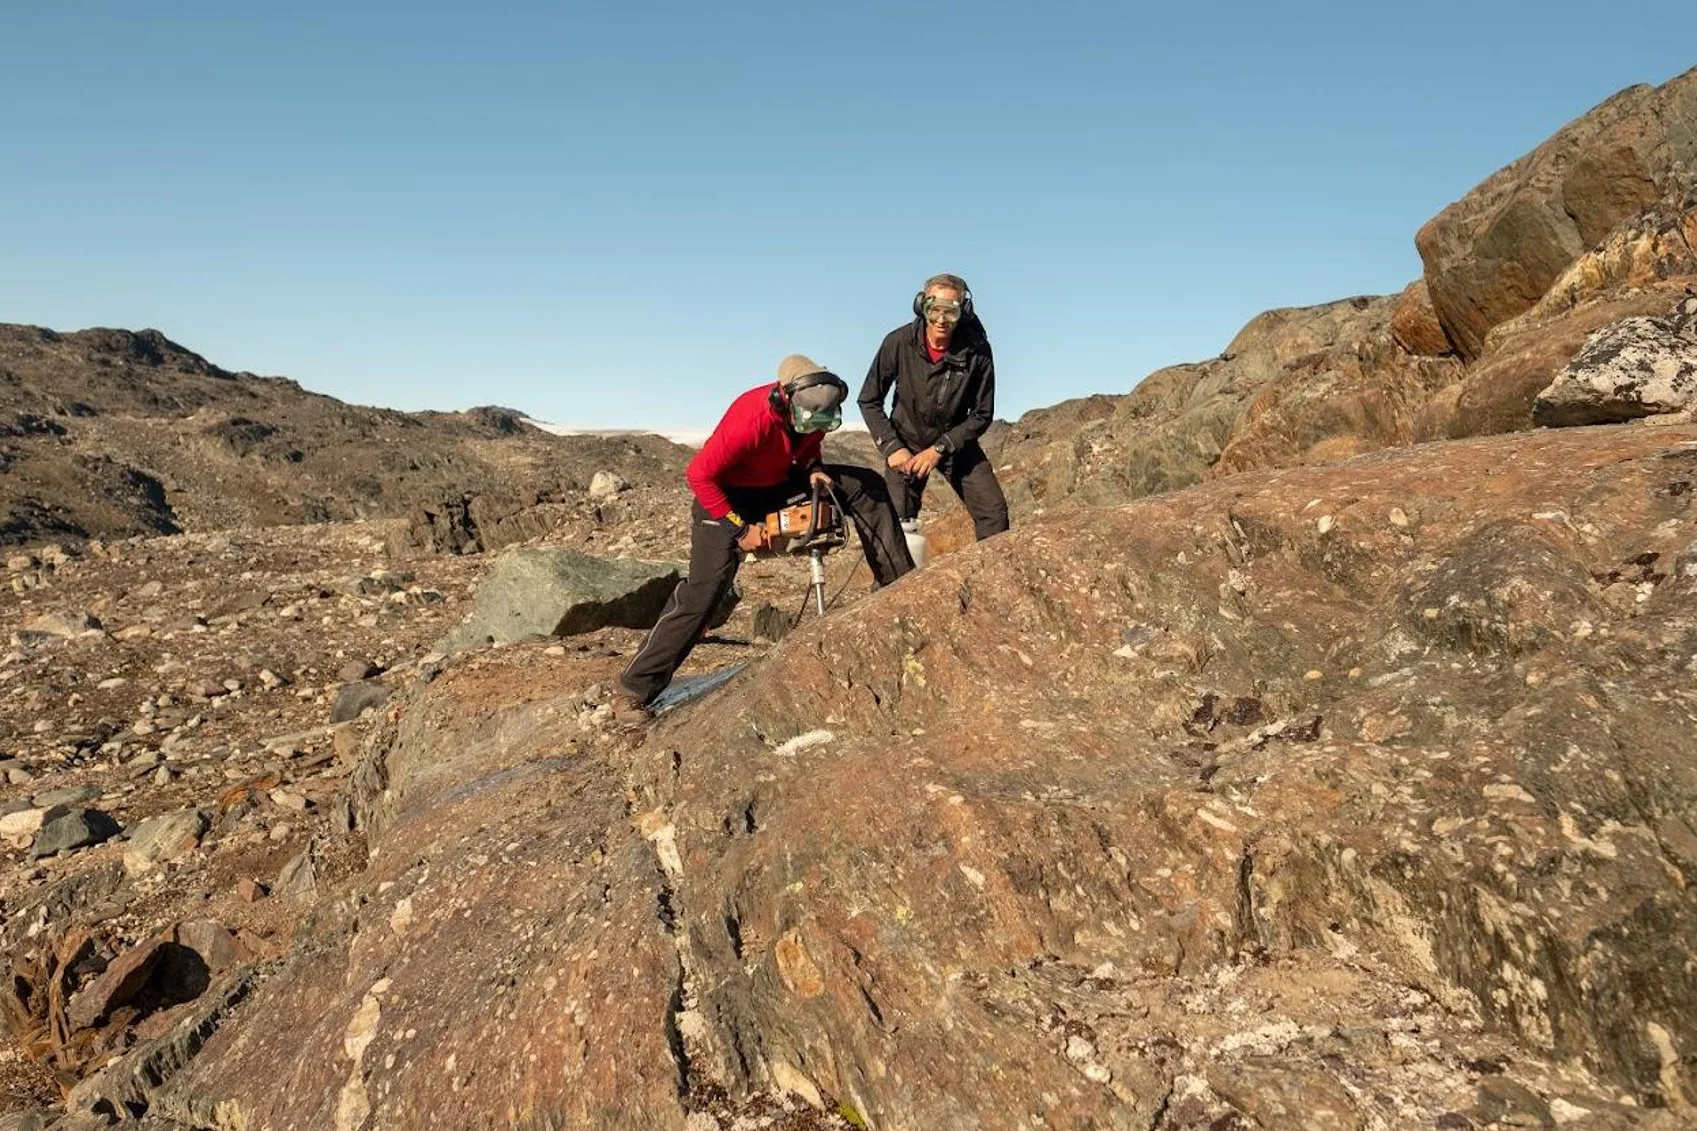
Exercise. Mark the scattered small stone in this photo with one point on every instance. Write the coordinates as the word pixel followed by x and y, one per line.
pixel 281 832
pixel 1324 524
pixel 606 484
pixel 1399 518
pixel 120 982
pixel 217 946
pixel 356 670
pixel 68 795
pixel 112 684
pixel 298 878
pixel 354 699
pixel 19 827
pixel 168 837
pixel 251 891
pixel 63 624
pixel 65 830
pixel 288 799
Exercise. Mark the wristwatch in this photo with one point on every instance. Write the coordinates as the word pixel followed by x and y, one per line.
pixel 941 447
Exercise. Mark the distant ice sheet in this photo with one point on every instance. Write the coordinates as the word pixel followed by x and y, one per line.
pixel 688 437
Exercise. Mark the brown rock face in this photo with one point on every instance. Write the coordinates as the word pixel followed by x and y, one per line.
pixel 1415 325
pixel 1170 431
pixel 1495 253
pixel 1245 803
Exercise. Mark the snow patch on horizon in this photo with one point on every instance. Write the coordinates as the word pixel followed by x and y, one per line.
pixel 688 437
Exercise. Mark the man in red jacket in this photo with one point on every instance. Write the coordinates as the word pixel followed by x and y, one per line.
pixel 765 450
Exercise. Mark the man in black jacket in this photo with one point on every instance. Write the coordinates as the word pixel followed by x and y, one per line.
pixel 945 383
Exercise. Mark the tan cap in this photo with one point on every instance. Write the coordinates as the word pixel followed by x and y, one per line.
pixel 794 367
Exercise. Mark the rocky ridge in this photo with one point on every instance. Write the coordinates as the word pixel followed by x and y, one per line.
pixel 1596 225
pixel 108 434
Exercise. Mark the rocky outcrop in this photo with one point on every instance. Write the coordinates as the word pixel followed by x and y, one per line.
pixel 1636 367
pixel 1597 225
pixel 1496 252
pixel 1340 796
pixel 1171 431
pixel 470 524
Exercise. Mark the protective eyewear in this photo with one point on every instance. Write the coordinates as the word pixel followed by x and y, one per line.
pixel 806 421
pixel 943 311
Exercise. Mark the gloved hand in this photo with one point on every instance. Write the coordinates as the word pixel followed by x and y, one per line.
pixel 752 538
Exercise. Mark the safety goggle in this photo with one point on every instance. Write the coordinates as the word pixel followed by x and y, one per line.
pixel 944 311
pixel 806 421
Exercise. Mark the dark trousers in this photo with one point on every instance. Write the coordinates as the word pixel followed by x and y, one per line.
pixel 714 558
pixel 973 479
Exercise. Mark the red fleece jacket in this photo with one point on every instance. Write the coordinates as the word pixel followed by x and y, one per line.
pixel 752 447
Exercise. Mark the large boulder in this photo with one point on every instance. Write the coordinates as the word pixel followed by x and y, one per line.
pixel 1496 393
pixel 1357 795
pixel 554 591
pixel 1495 253
pixel 1636 367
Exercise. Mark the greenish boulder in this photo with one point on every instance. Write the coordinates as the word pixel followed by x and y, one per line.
pixel 553 591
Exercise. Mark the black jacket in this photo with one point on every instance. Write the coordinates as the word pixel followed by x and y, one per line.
pixel 952 400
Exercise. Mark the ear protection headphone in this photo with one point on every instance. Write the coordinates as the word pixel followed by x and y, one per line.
pixel 780 396
pixel 965 299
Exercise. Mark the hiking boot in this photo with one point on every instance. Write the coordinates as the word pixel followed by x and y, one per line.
pixel 628 710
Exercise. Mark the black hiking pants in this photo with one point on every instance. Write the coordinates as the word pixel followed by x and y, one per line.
pixel 973 479
pixel 714 558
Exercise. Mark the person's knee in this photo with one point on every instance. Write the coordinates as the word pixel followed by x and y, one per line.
pixel 989 514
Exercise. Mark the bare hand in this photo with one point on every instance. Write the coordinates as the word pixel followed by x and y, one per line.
pixel 899 459
pixel 922 464
pixel 751 539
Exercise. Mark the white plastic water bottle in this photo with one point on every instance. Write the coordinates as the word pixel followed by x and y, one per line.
pixel 916 543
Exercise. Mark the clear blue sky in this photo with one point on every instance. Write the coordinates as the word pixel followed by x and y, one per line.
pixel 619 215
